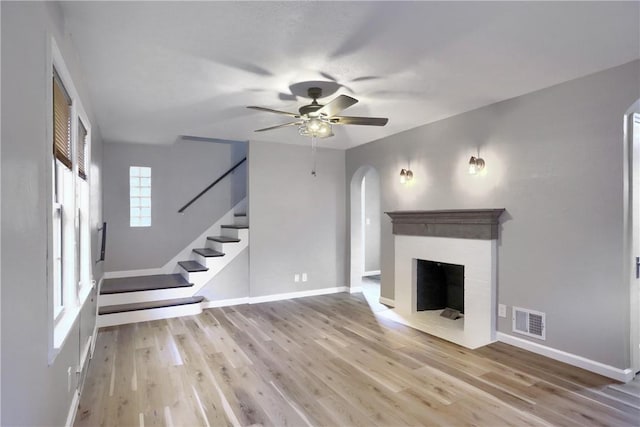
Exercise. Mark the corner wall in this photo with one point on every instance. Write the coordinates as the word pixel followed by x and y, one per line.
pixel 554 161
pixel 34 393
pixel 297 220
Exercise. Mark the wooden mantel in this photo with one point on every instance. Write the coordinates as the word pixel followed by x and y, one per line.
pixel 480 224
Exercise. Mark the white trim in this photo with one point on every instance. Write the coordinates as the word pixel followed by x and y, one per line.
pixel 60 325
pixel 63 327
pixel 225 302
pixel 73 410
pixel 371 273
pixel 149 314
pixel 387 301
pixel 300 294
pixel 95 326
pixel 623 375
pixel 145 296
pixel 355 289
pixel 84 357
pixel 132 273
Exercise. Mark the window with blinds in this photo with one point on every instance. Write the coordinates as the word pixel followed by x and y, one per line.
pixel 82 150
pixel 61 122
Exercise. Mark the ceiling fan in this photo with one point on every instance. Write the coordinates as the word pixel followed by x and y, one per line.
pixel 315 120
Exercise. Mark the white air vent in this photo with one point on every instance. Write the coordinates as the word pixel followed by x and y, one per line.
pixel 529 322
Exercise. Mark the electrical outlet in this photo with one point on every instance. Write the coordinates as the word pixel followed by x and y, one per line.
pixel 502 310
pixel 296 277
pixel 304 277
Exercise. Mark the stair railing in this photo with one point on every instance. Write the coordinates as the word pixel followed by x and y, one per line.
pixel 200 194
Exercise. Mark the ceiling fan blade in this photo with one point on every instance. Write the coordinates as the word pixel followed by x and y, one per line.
pixel 269 110
pixel 342 102
pixel 279 126
pixel 366 121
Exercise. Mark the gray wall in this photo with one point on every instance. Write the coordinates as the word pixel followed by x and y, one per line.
pixel 34 393
pixel 554 161
pixel 372 221
pixel 297 220
pixel 231 282
pixel 178 173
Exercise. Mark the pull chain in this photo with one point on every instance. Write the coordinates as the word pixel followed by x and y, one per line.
pixel 313 155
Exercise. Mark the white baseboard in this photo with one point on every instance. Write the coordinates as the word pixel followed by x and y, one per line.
pixel 355 289
pixel 300 294
pixel 387 302
pixel 132 273
pixel 371 273
pixel 225 302
pixel 73 409
pixel 622 375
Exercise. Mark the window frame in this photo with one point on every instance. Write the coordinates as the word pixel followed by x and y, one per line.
pixel 74 291
pixel 139 223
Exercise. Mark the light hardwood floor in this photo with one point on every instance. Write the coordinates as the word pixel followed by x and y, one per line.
pixel 329 361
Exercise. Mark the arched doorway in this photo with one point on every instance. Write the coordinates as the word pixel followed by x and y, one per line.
pixel 365 231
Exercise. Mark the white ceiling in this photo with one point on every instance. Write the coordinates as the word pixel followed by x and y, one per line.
pixel 158 70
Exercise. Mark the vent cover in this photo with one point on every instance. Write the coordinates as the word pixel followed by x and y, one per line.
pixel 529 322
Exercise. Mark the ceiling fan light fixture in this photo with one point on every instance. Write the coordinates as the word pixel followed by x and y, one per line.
pixel 316 120
pixel 316 127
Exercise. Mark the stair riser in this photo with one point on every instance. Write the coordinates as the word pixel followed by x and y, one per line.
pixel 220 247
pixel 236 233
pixel 241 220
pixel 190 277
pixel 144 296
pixel 209 262
pixel 105 320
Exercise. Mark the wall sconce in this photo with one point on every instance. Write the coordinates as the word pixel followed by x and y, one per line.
pixel 476 164
pixel 405 176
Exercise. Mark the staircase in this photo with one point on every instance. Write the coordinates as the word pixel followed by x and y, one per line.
pixel 161 296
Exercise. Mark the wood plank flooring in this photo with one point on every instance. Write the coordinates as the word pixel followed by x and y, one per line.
pixel 329 361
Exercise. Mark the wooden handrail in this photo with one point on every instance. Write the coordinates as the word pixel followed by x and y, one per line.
pixel 200 194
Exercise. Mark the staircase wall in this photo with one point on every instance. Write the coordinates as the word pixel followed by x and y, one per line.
pixel 297 220
pixel 179 172
pixel 231 283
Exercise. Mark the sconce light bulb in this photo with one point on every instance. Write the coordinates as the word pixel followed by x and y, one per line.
pixel 472 166
pixel 476 164
pixel 409 175
pixel 403 176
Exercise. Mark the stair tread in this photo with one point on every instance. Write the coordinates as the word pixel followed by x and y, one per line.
pixel 235 226
pixel 143 283
pixel 208 252
pixel 121 308
pixel 192 266
pixel 223 239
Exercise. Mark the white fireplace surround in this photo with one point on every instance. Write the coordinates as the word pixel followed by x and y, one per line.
pixel 477 255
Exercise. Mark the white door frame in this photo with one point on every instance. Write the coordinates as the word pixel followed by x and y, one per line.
pixel 632 226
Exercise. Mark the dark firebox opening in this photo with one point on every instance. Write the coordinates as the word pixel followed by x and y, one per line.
pixel 439 285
